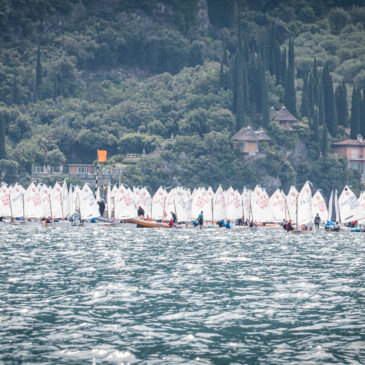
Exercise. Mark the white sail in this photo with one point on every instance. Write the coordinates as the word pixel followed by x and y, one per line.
pixel 5 207
pixel 71 201
pixel 337 208
pixel 158 203
pixel 319 206
pixel 88 206
pixel 207 197
pixel 234 205
pixel 17 201
pixel 246 204
pixel 291 203
pixel 181 205
pixel 142 198
pixel 56 201
pixel 65 201
pixel 124 204
pixel 109 202
pixel 330 205
pixel 198 203
pixel 32 202
pixel 219 205
pixel 169 205
pixel 305 205
pixel 260 205
pixel 361 201
pixel 45 194
pixel 349 206
pixel 277 206
pixel 77 198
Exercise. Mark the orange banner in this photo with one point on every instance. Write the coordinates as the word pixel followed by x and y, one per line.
pixel 102 155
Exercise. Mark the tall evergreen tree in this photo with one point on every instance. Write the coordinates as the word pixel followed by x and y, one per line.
pixel 321 115
pixel 341 104
pixel 324 140
pixel 290 96
pixel 329 101
pixel 355 112
pixel 283 67
pixel 38 71
pixel 2 137
pixel 315 81
pixel 362 113
pixel 315 127
pixel 305 107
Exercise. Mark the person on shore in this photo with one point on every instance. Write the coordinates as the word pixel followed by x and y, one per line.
pixel 201 219
pixel 140 212
pixel 317 220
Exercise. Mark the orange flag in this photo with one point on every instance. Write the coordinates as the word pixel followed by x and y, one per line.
pixel 102 155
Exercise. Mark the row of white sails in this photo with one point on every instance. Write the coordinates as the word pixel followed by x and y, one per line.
pixel 41 201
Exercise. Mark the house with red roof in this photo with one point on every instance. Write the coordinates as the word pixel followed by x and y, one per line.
pixel 354 150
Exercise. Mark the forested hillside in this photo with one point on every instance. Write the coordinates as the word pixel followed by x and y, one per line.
pixel 122 75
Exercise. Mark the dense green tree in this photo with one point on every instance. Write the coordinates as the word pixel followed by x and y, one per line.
pixel 355 112
pixel 324 140
pixel 290 95
pixel 38 70
pixel 329 101
pixel 341 104
pixel 2 137
pixel 362 113
pixel 221 13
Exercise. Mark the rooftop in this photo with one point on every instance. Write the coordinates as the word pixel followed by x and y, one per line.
pixel 249 135
pixel 282 115
pixel 359 142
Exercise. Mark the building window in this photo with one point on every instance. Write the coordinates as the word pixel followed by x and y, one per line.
pixel 38 169
pixel 242 146
pixel 82 170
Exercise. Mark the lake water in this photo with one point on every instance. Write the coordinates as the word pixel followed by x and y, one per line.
pixel 111 295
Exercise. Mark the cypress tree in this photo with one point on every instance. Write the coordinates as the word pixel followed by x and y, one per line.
pixel 2 137
pixel 38 71
pixel 240 113
pixel 341 104
pixel 321 116
pixel 355 113
pixel 235 77
pixel 315 127
pixel 311 102
pixel 290 97
pixel 362 113
pixel 305 108
pixel 315 81
pixel 283 67
pixel 329 101
pixel 325 140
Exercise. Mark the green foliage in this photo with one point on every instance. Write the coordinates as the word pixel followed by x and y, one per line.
pixel 123 75
pixel 8 170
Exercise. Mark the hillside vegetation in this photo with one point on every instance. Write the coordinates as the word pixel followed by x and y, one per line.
pixel 123 75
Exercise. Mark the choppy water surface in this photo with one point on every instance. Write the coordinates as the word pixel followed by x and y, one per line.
pixel 111 295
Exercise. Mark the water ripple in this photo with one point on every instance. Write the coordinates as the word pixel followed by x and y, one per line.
pixel 113 295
